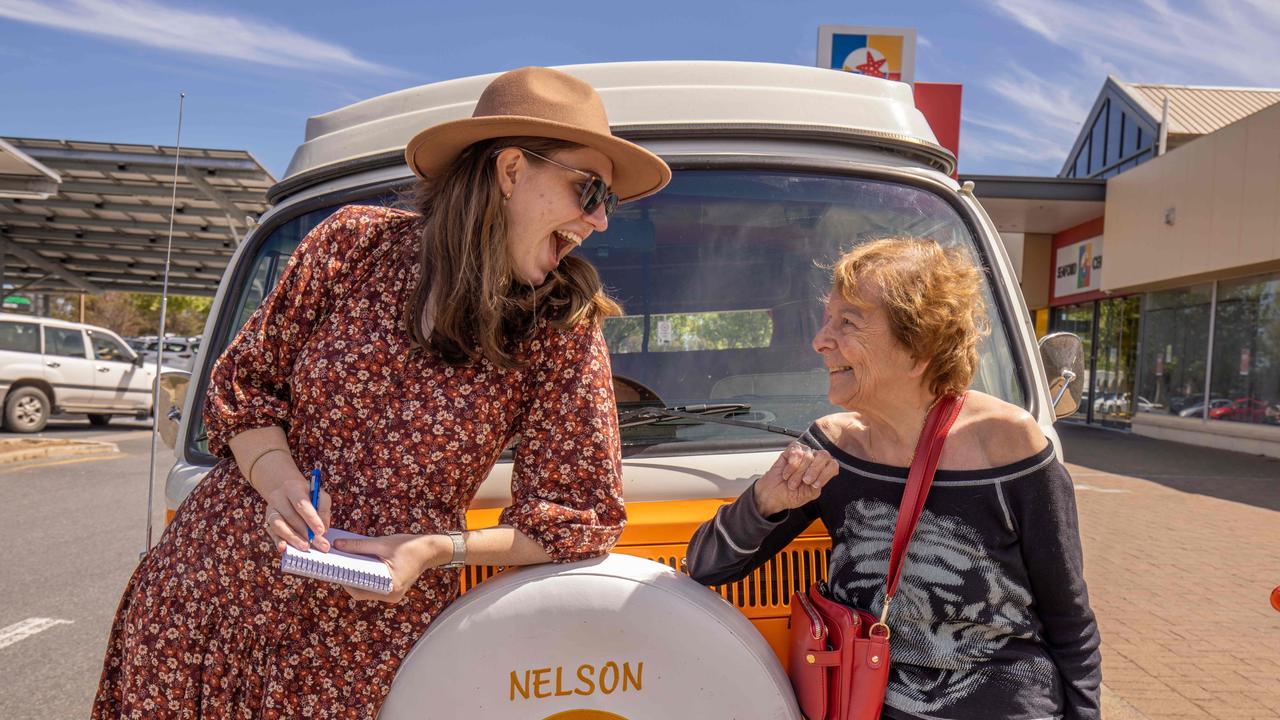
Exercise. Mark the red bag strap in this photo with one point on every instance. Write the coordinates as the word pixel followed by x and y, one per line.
pixel 919 480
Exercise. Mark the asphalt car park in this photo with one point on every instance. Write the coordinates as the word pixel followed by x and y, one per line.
pixel 1160 521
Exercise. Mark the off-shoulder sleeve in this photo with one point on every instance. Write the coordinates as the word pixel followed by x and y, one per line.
pixel 249 384
pixel 567 481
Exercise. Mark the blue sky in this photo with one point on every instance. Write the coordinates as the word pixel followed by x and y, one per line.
pixel 253 72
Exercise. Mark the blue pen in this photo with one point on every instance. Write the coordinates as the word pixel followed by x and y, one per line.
pixel 315 499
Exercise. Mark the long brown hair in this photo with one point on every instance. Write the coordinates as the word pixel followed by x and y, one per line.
pixel 468 304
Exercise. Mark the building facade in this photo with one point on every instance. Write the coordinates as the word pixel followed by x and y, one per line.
pixel 1174 286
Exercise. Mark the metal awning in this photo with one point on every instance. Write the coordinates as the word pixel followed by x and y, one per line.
pixel 22 177
pixel 107 225
pixel 1039 204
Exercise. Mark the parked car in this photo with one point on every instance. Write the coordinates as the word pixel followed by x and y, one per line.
pixel 775 167
pixel 1197 410
pixel 50 366
pixel 1251 410
pixel 1122 404
pixel 179 352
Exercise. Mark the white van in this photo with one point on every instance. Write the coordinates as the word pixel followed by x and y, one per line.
pixel 777 169
pixel 51 366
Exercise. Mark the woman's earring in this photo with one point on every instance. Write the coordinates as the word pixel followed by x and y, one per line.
pixel 506 197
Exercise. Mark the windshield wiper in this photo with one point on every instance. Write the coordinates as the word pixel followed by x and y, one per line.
pixel 699 413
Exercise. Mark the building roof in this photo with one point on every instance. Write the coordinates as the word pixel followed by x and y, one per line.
pixel 106 226
pixel 1199 109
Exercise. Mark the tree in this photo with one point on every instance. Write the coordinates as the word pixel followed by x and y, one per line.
pixel 135 313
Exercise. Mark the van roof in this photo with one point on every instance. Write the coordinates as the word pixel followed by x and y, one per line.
pixel 642 99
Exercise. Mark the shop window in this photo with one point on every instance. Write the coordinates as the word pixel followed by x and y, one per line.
pixel 1113 361
pixel 1246 351
pixel 1175 350
pixel 1078 319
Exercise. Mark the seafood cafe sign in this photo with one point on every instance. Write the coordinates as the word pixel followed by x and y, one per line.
pixel 1078 268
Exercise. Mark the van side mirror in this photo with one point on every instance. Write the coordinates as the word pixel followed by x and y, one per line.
pixel 1063 357
pixel 172 396
pixel 137 361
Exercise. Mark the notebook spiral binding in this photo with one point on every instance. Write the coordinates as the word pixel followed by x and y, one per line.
pixel 332 573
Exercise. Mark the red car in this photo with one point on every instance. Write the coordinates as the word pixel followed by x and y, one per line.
pixel 1241 410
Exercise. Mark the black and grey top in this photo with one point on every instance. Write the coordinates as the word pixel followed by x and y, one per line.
pixel 992 617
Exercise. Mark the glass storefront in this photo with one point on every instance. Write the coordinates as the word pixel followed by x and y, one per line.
pixel 1175 351
pixel 1246 351
pixel 1109 331
pixel 1078 320
pixel 1241 361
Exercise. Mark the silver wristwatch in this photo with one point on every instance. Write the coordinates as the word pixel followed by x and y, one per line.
pixel 459 550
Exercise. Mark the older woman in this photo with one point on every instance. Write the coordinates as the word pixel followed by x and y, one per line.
pixel 400 353
pixel 992 617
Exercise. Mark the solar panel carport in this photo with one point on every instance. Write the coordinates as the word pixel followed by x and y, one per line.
pixel 106 226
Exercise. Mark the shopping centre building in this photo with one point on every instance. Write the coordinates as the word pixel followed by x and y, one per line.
pixel 1159 245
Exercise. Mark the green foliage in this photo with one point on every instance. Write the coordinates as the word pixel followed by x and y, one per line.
pixel 132 314
pixel 724 330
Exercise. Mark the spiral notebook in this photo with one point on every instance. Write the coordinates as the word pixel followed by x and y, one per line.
pixel 359 571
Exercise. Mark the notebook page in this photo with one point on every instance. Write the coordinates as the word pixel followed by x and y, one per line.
pixel 361 571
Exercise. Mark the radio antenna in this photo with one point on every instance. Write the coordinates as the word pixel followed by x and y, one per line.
pixel 164 307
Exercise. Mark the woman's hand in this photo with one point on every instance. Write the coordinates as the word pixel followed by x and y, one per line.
pixel 406 555
pixel 289 510
pixel 797 477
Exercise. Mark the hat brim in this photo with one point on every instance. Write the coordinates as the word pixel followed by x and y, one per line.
pixel 636 171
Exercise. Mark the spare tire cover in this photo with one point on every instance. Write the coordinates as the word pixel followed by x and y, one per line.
pixel 614 638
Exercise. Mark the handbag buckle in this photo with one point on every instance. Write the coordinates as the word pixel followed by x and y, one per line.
pixel 883 622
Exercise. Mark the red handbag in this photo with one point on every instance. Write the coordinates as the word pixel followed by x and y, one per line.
pixel 839 654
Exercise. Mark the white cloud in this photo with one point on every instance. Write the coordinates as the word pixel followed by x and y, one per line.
pixel 1195 42
pixel 986 139
pixel 1153 41
pixel 219 35
pixel 1056 106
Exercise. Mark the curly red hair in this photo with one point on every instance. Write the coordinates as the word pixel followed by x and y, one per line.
pixel 932 297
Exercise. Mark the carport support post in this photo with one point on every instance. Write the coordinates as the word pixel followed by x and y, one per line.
pixel 81 307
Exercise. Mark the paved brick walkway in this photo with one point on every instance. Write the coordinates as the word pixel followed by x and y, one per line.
pixel 1182 549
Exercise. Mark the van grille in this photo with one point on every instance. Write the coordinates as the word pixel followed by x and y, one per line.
pixel 764 593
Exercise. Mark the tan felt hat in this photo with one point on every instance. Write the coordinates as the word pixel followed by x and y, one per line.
pixel 540 102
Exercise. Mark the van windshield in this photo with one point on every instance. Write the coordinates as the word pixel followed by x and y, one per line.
pixel 721 279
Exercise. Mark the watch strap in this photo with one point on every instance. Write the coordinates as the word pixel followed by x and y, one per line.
pixel 459 558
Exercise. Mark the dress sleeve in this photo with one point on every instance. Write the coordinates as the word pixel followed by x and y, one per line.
pixel 567 481
pixel 249 383
pixel 1045 516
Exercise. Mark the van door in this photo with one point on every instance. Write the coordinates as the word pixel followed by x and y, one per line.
pixel 118 383
pixel 68 367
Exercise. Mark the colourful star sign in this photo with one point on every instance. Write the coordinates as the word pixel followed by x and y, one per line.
pixel 887 53
pixel 870 65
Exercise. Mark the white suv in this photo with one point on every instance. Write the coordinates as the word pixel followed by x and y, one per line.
pixel 49 366
pixel 179 352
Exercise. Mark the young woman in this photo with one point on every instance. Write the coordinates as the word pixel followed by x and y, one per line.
pixel 400 353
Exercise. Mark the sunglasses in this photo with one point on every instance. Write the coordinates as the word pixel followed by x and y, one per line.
pixel 594 192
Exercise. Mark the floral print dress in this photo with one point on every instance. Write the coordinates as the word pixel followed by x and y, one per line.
pixel 210 628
